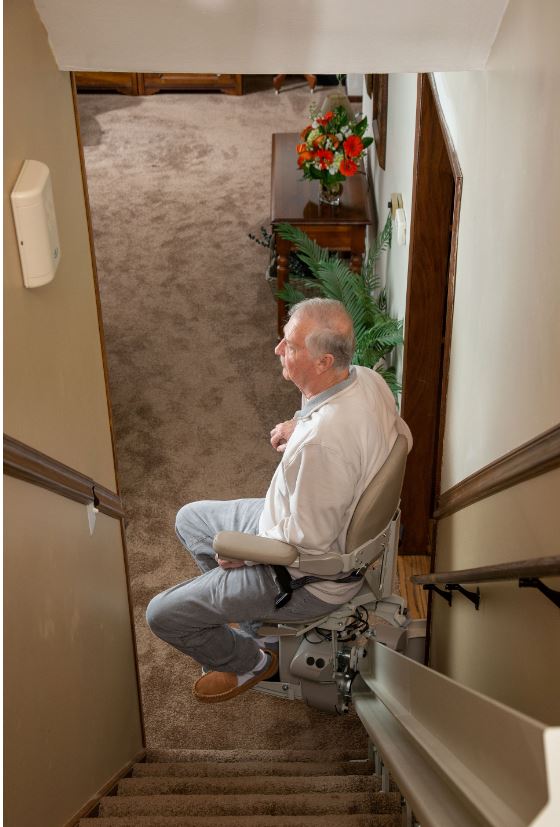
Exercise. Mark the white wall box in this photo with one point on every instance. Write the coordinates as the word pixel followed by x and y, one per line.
pixel 35 220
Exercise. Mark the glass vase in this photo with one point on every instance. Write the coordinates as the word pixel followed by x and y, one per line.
pixel 330 193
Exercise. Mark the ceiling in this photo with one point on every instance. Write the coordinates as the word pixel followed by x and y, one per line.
pixel 267 36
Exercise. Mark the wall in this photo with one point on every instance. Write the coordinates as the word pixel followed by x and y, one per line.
pixel 505 124
pixel 504 381
pixel 397 177
pixel 72 717
pixel 260 36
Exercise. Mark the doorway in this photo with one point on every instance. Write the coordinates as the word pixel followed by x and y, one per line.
pixel 436 198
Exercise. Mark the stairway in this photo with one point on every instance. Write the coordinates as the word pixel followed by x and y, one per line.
pixel 249 788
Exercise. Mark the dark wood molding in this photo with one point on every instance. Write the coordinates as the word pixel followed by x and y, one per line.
pixel 451 279
pixel 436 191
pixel 28 464
pixel 380 94
pixel 538 567
pixel 90 809
pixel 108 502
pixel 531 459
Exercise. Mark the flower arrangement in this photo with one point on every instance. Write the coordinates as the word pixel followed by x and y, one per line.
pixel 331 146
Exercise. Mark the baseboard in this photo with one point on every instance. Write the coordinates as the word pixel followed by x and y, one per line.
pixel 88 810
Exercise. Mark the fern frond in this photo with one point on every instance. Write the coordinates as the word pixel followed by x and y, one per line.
pixel 290 294
pixel 307 250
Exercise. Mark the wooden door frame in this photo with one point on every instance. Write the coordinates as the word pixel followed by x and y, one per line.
pixel 426 85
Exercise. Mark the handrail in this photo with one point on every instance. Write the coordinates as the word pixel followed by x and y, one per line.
pixel 539 567
pixel 30 465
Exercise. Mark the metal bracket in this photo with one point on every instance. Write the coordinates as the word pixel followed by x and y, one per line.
pixel 535 583
pixel 431 587
pixel 474 597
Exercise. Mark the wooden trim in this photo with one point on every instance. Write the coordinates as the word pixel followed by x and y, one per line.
pixel 95 277
pixel 380 95
pixel 107 499
pixel 539 567
pixel 436 191
pixel 451 280
pixel 108 502
pixel 28 464
pixel 89 809
pixel 531 459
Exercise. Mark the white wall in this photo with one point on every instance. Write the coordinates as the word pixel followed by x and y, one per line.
pixel 397 177
pixel 505 123
pixel 261 36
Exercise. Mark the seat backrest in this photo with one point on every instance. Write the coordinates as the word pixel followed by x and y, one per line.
pixel 380 500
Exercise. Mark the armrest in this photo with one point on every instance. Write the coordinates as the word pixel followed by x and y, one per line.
pixel 235 545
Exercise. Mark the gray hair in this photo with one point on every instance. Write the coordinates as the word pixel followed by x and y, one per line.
pixel 334 333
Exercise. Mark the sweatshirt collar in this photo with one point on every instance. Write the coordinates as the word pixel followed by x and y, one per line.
pixel 315 401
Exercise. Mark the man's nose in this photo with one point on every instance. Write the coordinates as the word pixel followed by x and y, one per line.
pixel 279 349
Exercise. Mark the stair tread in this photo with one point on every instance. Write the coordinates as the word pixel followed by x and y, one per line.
pixel 244 785
pixel 326 820
pixel 254 803
pixel 202 769
pixel 157 755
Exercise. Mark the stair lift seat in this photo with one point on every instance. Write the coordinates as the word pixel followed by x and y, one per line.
pixel 319 658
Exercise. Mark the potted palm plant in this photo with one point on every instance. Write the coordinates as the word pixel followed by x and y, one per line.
pixel 377 332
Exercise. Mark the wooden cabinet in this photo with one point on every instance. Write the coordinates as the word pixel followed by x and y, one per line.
pixel 230 84
pixel 125 82
pixel 148 83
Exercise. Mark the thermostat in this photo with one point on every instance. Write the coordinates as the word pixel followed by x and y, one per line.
pixel 35 220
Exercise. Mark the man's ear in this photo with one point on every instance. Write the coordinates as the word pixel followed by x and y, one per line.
pixel 325 362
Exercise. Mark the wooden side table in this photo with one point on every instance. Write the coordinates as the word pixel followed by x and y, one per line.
pixel 296 201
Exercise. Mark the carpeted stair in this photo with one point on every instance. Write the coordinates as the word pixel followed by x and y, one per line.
pixel 250 788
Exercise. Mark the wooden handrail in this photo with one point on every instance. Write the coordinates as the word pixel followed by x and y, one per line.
pixel 539 567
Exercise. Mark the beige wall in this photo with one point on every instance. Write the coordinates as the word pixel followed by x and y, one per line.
pixel 505 122
pixel 509 649
pixel 504 378
pixel 54 391
pixel 71 711
pixel 71 717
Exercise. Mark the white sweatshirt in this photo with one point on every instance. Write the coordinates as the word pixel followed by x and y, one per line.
pixel 342 438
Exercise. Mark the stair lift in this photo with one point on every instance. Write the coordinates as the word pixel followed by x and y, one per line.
pixel 320 657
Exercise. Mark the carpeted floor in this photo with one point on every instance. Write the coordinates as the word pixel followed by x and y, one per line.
pixel 176 182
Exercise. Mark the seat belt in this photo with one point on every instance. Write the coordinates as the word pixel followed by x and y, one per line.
pixel 288 585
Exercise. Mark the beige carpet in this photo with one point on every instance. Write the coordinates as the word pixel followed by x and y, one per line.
pixel 274 788
pixel 176 182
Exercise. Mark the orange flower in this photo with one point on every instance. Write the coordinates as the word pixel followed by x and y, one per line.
pixel 319 140
pixel 353 146
pixel 323 121
pixel 301 148
pixel 334 140
pixel 304 157
pixel 348 167
pixel 325 157
pixel 305 132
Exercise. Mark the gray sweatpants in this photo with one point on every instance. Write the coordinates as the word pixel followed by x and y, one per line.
pixel 193 616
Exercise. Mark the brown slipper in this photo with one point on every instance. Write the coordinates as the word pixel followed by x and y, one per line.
pixel 222 686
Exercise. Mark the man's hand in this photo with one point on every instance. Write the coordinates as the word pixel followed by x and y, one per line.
pixel 281 433
pixel 229 564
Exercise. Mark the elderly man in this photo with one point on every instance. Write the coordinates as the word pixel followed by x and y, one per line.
pixel 331 450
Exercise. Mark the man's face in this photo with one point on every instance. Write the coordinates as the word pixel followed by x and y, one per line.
pixel 297 363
